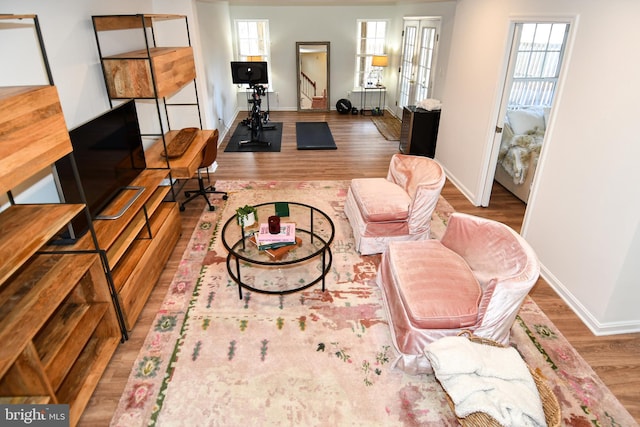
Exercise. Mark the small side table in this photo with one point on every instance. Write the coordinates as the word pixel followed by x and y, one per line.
pixel 372 100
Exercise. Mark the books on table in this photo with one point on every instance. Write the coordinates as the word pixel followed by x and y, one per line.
pixel 286 236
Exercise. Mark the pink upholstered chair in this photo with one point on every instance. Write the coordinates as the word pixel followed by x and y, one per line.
pixel 475 278
pixel 398 207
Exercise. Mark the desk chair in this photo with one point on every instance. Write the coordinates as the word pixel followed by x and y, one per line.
pixel 209 154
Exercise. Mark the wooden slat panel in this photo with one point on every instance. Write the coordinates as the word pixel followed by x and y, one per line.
pixel 24 229
pixel 33 132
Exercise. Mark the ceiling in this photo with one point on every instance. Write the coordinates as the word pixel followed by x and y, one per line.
pixel 317 2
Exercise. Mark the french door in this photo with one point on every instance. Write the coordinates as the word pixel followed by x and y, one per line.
pixel 417 66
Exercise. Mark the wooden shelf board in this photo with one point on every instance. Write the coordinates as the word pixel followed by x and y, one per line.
pixel 58 364
pixel 26 228
pixel 81 381
pixel 185 166
pixel 29 299
pixel 25 400
pixel 8 16
pixel 30 114
pixel 124 22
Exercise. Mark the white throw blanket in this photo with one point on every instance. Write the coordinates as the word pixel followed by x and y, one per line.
pixel 516 152
pixel 429 104
pixel 484 378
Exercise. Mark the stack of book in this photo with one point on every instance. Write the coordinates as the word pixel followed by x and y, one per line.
pixel 286 236
pixel 276 245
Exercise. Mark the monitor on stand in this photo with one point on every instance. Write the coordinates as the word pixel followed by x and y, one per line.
pixel 255 75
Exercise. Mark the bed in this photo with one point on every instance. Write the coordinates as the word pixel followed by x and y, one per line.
pixel 522 137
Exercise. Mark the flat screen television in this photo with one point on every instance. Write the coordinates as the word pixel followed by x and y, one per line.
pixel 109 154
pixel 249 72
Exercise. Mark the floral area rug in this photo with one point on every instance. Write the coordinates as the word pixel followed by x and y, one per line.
pixel 311 358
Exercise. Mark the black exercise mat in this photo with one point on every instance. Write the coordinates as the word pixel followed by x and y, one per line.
pixel 314 136
pixel 243 133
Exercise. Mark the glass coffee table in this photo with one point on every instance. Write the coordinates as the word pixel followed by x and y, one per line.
pixel 284 270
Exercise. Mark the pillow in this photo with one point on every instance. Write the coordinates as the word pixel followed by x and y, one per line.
pixel 525 120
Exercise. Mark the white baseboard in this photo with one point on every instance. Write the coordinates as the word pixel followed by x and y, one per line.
pixel 596 327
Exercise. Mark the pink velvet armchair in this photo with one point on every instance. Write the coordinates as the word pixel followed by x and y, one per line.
pixel 398 207
pixel 475 278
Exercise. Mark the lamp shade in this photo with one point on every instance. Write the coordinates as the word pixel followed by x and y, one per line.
pixel 379 61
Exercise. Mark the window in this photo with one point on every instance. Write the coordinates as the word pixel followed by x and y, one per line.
pixel 252 38
pixel 537 67
pixel 371 41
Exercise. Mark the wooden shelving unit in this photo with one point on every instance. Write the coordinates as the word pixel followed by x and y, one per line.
pixel 58 323
pixel 138 244
pixel 151 73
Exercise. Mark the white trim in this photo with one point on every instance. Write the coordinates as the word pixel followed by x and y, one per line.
pixel 597 328
pixel 492 147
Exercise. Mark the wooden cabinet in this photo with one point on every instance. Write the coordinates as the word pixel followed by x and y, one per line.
pixel 129 75
pixel 419 131
pixel 58 324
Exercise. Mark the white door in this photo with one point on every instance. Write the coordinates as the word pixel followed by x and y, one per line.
pixel 419 50
pixel 531 80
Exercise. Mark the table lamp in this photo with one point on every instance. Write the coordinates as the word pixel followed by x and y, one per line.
pixel 379 61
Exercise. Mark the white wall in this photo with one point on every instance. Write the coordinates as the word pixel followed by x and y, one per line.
pixel 70 44
pixel 583 219
pixel 337 25
pixel 217 53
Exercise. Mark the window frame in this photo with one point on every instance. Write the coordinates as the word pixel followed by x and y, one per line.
pixel 367 48
pixel 532 83
pixel 261 45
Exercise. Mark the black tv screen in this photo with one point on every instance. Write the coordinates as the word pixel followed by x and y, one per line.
pixel 249 72
pixel 109 154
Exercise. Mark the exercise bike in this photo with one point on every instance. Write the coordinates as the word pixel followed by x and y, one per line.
pixel 258 119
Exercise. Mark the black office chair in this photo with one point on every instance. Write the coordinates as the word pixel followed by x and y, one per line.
pixel 209 154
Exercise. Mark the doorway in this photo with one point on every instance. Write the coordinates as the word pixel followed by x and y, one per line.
pixel 532 79
pixel 420 38
pixel 312 66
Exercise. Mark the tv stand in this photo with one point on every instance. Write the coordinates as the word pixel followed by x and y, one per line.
pixel 138 242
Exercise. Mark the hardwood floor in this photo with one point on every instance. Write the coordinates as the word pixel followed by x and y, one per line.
pixel 363 152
